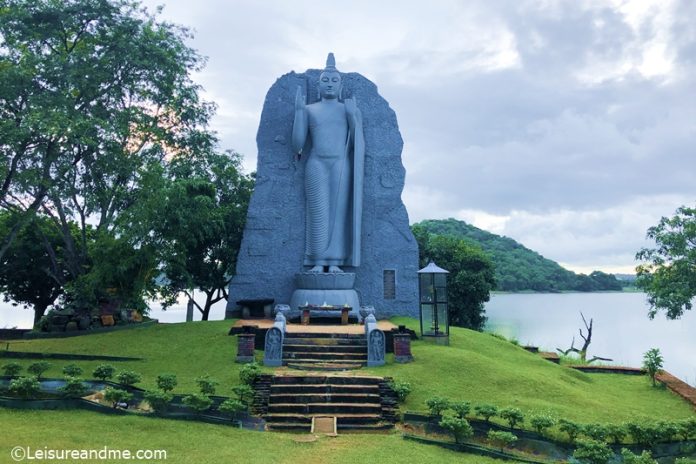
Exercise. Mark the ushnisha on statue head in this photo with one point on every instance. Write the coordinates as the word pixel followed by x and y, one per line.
pixel 330 80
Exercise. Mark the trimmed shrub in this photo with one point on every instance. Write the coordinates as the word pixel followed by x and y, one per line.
pixel 666 431
pixel 206 384
pixel 38 368
pixel 458 427
pixel 593 452
pixel 644 458
pixel 11 369
pixel 232 407
pixel 166 382
pixel 401 388
pixel 25 387
pixel 73 388
pixel 513 416
pixel 72 370
pixel 486 411
pixel 570 428
pixel 128 378
pixel 461 408
pixel 541 422
pixel 116 396
pixel 158 400
pixel 104 372
pixel 245 394
pixel 501 439
pixel 197 402
pixel 249 372
pixel 617 432
pixel 436 405
pixel 596 432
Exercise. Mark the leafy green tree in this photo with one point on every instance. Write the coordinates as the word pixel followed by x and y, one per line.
pixel 128 378
pixel 630 458
pixel 501 439
pixel 159 401
pixel 249 372
pixel 197 217
pixel 652 363
pixel 513 416
pixel 104 372
pixel 197 402
pixel 245 394
pixel 486 411
pixel 166 382
pixel 617 432
pixel 232 407
pixel 38 368
pixel 460 408
pixel 206 384
pixel 541 422
pixel 596 432
pixel 570 428
pixel 32 273
pixel 401 388
pixel 11 369
pixel 668 274
pixel 72 370
pixel 25 387
pixel 458 427
pixel 436 405
pixel 116 396
pixel 592 452
pixel 471 277
pixel 74 388
pixel 94 95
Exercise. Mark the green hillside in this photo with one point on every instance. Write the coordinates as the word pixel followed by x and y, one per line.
pixel 476 367
pixel 518 268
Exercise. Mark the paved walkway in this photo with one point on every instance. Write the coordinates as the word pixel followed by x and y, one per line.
pixel 385 326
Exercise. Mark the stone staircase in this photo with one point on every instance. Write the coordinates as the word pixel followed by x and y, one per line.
pixel 289 402
pixel 324 351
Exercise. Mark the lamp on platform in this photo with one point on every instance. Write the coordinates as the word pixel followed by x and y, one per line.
pixel 434 315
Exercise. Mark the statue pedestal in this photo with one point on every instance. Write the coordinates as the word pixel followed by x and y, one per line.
pixel 326 288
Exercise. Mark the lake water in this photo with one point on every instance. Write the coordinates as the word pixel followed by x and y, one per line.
pixel 621 331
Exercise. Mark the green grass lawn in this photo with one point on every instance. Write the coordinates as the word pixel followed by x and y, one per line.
pixel 476 367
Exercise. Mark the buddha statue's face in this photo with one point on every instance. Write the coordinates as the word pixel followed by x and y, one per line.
pixel 329 84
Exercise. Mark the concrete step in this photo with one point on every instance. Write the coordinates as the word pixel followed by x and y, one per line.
pixel 325 380
pixel 305 335
pixel 337 357
pixel 325 408
pixel 342 418
pixel 325 341
pixel 324 389
pixel 323 348
pixel 305 398
pixel 322 366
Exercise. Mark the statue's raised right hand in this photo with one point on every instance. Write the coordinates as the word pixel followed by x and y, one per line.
pixel 299 99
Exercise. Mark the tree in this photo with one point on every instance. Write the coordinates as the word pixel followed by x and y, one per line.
pixel 117 396
pixel 486 411
pixel 93 96
pixel 72 370
pixel 38 368
pixel 512 415
pixel 458 427
pixel 197 216
pixel 630 458
pixel 32 273
pixel 668 274
pixel 541 422
pixel 104 371
pixel 128 378
pixel 501 438
pixel 471 277
pixel 166 382
pixel 436 405
pixel 652 363
pixel 592 452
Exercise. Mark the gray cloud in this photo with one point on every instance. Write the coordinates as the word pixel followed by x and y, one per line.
pixel 565 125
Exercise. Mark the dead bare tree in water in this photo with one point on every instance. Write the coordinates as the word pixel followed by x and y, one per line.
pixel 587 339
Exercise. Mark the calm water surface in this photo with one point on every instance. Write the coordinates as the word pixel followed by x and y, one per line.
pixel 621 331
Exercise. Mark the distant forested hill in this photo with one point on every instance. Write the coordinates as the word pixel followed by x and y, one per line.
pixel 518 268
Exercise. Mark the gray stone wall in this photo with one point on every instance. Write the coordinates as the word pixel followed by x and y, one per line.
pixel 272 249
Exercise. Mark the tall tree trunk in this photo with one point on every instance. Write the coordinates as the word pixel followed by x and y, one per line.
pixel 39 311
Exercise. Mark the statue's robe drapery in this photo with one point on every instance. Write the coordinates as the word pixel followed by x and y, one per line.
pixel 334 195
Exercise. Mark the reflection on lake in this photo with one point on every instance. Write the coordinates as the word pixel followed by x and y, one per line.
pixel 621 331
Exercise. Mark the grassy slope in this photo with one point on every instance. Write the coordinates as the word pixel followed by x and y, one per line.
pixel 475 367
pixel 187 442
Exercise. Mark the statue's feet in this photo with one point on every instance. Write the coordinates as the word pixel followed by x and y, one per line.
pixel 317 269
pixel 335 269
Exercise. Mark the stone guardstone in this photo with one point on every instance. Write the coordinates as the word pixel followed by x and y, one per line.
pixel 272 251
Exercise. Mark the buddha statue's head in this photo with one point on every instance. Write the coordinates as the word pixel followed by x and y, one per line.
pixel 330 80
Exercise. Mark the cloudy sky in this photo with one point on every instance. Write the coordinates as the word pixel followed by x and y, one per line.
pixel 569 126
